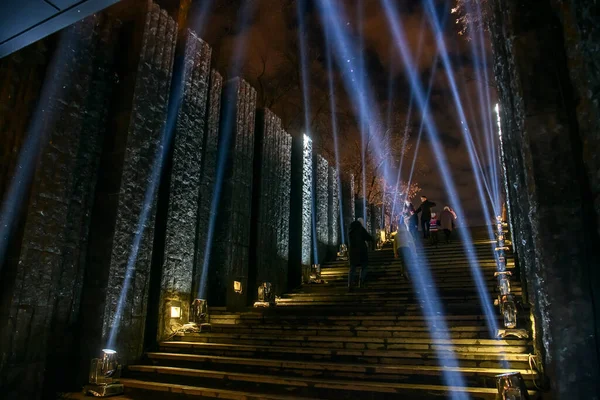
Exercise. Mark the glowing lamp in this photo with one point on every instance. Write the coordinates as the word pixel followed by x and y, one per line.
pixel 237 287
pixel 175 312
pixel 104 374
pixel 199 311
pixel 511 386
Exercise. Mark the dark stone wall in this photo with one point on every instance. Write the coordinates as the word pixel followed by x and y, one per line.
pixel 321 203
pixel 271 205
pixel 45 289
pixel 188 138
pixel 229 259
pixel 548 143
pixel 206 208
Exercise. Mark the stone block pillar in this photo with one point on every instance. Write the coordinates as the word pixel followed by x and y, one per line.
pixel 230 250
pixel 307 201
pixel 181 219
pixel 348 205
pixel 271 205
pixel 144 140
pixel 207 209
pixel 321 204
pixel 548 130
pixel 64 142
pixel 333 196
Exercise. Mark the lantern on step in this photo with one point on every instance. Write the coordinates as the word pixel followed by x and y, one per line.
pixel 511 386
pixel 199 311
pixel 266 295
pixel 342 254
pixel 315 272
pixel 104 375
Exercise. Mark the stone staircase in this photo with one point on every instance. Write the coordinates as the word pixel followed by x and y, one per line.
pixel 321 341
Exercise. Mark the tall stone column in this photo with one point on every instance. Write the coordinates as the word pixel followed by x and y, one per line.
pixel 348 204
pixel 333 210
pixel 307 199
pixel 321 211
pixel 271 207
pixel 181 220
pixel 554 234
pixel 206 207
pixel 46 286
pixel 229 257
pixel 144 152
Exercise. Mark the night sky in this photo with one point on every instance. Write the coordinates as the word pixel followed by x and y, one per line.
pixel 266 31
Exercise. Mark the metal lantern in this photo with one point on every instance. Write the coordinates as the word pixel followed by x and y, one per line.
pixel 511 386
pixel 104 375
pixel 342 254
pixel 265 292
pixel 199 311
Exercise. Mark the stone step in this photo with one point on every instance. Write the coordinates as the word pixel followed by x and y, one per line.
pixel 382 373
pixel 148 390
pixel 456 332
pixel 323 387
pixel 361 368
pixel 364 342
pixel 465 356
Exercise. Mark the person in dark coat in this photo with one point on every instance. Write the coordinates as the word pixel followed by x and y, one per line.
pixel 447 218
pixel 425 210
pixel 358 251
pixel 411 218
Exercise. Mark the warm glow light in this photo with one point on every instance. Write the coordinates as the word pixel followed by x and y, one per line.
pixel 175 312
pixel 237 286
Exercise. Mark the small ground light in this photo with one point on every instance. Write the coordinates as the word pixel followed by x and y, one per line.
pixel 176 311
pixel 104 375
pixel 237 287
pixel 511 386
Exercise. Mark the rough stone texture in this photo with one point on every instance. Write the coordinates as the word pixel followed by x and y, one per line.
pixel 348 204
pixel 307 201
pixel 47 285
pixel 127 289
pixel 271 197
pixel 544 144
pixel 321 211
pixel 229 259
pixel 333 209
pixel 207 185
pixel 188 138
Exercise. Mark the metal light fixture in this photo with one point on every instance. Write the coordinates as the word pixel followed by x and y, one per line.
pixel 237 287
pixel 511 386
pixel 266 296
pixel 199 314
pixel 342 254
pixel 104 375
pixel 175 310
pixel 505 301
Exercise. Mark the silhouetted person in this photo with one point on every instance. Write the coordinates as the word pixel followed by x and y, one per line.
pixel 358 251
pixel 425 210
pixel 411 218
pixel 404 247
pixel 447 218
